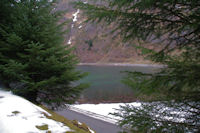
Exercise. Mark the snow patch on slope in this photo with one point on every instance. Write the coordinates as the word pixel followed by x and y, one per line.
pixel 69 41
pixel 75 15
pixel 18 115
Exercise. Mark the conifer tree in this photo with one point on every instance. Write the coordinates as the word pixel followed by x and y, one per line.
pixel 34 62
pixel 175 26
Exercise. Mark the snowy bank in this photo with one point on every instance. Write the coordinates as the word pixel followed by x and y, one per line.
pixel 101 111
pixel 18 115
pixel 179 113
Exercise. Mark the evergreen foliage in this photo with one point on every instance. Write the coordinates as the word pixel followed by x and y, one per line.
pixel 160 117
pixel 34 62
pixel 172 24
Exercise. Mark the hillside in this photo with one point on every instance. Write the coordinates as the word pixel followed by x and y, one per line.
pixel 94 43
pixel 18 115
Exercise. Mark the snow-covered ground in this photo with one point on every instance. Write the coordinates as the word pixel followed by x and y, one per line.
pixel 177 112
pixel 18 115
pixel 101 111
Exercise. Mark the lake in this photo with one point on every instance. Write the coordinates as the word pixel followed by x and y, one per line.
pixel 105 83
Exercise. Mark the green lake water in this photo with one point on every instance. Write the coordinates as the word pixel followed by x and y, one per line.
pixel 105 83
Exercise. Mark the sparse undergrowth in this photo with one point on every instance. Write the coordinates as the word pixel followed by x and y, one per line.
pixel 74 125
pixel 15 112
pixel 43 127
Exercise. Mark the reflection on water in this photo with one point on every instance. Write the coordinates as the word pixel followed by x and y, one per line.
pixel 105 83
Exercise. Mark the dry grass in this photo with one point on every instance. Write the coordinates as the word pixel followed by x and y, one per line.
pixel 83 128
pixel 43 127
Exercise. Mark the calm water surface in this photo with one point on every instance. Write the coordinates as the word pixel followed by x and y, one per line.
pixel 105 83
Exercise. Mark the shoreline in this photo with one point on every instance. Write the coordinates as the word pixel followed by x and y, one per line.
pixel 121 64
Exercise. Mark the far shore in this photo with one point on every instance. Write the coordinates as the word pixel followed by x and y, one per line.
pixel 121 64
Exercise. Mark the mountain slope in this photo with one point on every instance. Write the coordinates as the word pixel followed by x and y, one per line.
pixel 94 43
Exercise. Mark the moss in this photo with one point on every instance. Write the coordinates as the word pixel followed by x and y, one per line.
pixel 66 122
pixel 43 127
pixel 15 112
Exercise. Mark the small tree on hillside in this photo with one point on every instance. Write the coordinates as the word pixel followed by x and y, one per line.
pixel 175 26
pixel 34 63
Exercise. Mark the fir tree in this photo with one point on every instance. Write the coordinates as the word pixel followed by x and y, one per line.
pixel 175 26
pixel 34 62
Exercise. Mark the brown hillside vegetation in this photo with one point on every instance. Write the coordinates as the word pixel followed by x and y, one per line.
pixel 95 44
